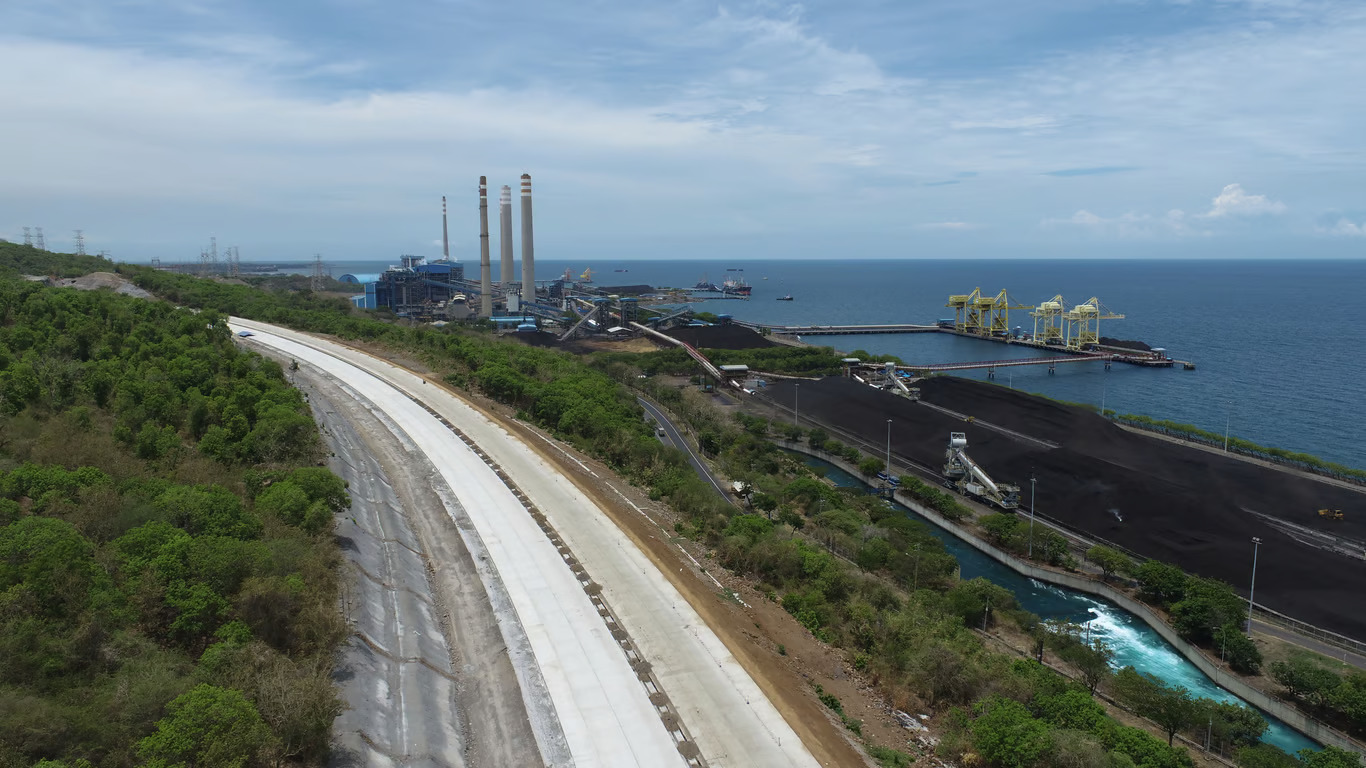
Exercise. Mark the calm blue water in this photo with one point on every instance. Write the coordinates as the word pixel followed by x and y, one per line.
pixel 1280 345
pixel 1134 642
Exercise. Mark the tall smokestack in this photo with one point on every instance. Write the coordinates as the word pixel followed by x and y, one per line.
pixel 528 248
pixel 506 278
pixel 485 282
pixel 445 239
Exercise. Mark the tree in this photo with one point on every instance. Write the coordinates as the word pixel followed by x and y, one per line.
pixel 1206 605
pixel 1264 756
pixel 1169 706
pixel 1160 582
pixel 1329 757
pixel 816 437
pixel 1093 661
pixel 1007 735
pixel 871 466
pixel 1232 725
pixel 1238 649
pixel 764 503
pixel 207 727
pixel 1304 679
pixel 1002 528
pixel 1110 561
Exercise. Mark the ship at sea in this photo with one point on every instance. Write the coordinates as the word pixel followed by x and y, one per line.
pixel 736 287
pixel 706 285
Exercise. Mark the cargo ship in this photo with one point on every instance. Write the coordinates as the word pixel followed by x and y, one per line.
pixel 736 287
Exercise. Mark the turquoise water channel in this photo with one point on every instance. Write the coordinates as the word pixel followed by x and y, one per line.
pixel 1133 641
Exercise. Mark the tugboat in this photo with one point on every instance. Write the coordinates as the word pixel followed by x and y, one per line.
pixel 785 298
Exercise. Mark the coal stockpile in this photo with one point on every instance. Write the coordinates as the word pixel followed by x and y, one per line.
pixel 626 290
pixel 1125 344
pixel 1177 504
pixel 719 337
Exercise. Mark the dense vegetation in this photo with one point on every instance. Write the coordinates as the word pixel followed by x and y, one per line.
pixel 165 596
pixel 1339 698
pixel 847 568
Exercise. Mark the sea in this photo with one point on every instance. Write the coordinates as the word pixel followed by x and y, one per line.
pixel 1279 345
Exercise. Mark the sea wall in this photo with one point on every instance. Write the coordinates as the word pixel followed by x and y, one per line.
pixel 1289 715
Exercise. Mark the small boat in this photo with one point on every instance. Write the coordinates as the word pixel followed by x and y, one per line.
pixel 621 270
pixel 785 298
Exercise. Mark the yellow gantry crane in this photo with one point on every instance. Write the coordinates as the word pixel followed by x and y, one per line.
pixel 1000 314
pixel 1083 323
pixel 981 314
pixel 1050 313
pixel 964 309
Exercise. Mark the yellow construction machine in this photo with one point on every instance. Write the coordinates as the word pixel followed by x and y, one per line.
pixel 1330 514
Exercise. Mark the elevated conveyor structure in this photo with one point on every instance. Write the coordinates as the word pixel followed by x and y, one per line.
pixel 972 480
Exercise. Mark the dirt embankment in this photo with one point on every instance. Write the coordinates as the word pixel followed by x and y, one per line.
pixel 1171 502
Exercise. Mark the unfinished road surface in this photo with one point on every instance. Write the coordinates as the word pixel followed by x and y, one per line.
pixel 585 702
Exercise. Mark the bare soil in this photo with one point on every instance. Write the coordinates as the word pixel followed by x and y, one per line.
pixel 1159 499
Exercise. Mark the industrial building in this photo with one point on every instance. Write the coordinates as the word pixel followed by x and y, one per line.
pixel 415 288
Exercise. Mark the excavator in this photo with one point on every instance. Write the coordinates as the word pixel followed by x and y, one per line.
pixel 962 474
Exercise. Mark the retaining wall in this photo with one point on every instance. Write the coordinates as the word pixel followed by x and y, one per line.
pixel 1292 717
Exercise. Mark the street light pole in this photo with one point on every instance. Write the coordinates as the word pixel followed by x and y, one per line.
pixel 796 390
pixel 889 448
pixel 1228 419
pixel 1032 481
pixel 1251 591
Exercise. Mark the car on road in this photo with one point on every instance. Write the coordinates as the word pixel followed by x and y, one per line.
pixel 245 334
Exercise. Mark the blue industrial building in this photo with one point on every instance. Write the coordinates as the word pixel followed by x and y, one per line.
pixel 414 289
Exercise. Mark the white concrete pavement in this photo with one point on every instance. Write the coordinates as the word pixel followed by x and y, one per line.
pixel 729 717
pixel 604 712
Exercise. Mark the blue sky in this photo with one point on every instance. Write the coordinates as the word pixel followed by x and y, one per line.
pixel 885 128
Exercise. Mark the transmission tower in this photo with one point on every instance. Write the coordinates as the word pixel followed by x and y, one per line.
pixel 28 237
pixel 316 283
pixel 105 255
pixel 213 254
pixel 156 262
pixel 80 242
pixel 39 242
pixel 203 263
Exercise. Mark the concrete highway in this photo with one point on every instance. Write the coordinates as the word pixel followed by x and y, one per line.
pixel 583 701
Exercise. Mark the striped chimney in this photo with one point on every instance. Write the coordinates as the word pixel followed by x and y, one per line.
pixel 485 284
pixel 528 247
pixel 505 274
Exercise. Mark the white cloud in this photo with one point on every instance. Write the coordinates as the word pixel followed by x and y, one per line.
pixel 1233 201
pixel 1345 227
pixel 1126 225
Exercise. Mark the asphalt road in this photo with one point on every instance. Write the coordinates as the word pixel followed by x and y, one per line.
pixel 673 436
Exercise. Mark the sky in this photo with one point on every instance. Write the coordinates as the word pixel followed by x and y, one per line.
pixel 706 130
